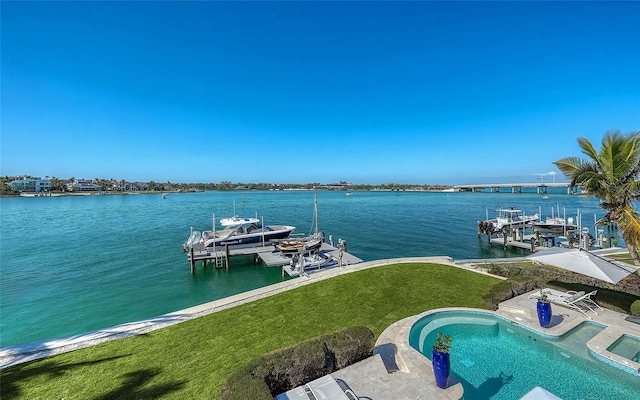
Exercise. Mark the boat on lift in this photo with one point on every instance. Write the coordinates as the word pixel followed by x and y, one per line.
pixel 308 244
pixel 305 245
pixel 555 226
pixel 238 232
pixel 507 218
pixel 300 262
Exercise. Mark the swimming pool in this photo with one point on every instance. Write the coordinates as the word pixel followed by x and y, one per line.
pixel 495 359
pixel 627 346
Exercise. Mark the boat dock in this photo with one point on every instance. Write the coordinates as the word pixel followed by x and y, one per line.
pixel 527 242
pixel 267 253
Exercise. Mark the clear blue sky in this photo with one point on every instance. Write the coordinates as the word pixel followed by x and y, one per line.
pixel 297 92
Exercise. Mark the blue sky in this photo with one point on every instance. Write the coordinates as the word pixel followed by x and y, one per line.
pixel 296 92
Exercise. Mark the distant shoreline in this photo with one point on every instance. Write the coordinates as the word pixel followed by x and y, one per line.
pixel 117 193
pixel 84 194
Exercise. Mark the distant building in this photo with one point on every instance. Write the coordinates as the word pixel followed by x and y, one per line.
pixel 130 186
pixel 82 185
pixel 31 185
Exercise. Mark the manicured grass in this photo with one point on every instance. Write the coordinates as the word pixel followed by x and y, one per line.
pixel 192 360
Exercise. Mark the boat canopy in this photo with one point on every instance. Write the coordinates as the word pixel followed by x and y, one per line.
pixel 235 221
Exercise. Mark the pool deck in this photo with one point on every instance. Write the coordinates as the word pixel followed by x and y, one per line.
pixel 522 310
pixel 396 370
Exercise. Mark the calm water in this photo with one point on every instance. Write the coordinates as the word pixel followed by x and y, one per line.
pixel 75 264
pixel 496 360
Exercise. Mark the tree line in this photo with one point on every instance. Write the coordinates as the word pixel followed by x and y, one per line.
pixel 59 185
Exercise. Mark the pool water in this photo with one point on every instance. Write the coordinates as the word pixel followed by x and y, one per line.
pixel 494 359
pixel 628 347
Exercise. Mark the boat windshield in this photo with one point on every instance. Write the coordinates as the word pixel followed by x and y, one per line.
pixel 246 229
pixel 510 213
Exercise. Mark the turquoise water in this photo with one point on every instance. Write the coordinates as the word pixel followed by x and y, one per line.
pixel 627 346
pixel 494 359
pixel 75 264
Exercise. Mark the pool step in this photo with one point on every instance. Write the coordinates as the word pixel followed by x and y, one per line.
pixel 406 368
pixel 511 309
pixel 387 349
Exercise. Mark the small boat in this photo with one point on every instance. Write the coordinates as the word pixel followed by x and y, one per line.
pixel 508 218
pixel 306 245
pixel 164 196
pixel 557 225
pixel 299 263
pixel 239 232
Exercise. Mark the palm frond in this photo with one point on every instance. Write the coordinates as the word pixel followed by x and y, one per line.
pixel 611 174
pixel 629 224
pixel 587 148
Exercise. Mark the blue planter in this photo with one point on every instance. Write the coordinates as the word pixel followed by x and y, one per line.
pixel 441 367
pixel 544 314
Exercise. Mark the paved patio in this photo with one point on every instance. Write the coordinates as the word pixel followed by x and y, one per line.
pixel 522 310
pixel 396 370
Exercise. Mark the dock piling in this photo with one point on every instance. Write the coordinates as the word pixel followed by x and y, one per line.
pixel 226 256
pixel 192 260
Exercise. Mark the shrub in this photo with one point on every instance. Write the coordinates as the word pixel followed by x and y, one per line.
pixel 285 369
pixel 635 308
pixel 496 269
pixel 510 288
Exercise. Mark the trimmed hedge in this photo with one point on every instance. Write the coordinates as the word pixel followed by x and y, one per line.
pixel 635 308
pixel 285 369
pixel 512 287
pixel 516 285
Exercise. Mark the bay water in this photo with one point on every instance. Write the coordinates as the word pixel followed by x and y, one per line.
pixel 74 264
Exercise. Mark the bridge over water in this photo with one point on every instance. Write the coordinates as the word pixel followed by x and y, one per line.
pixel 514 187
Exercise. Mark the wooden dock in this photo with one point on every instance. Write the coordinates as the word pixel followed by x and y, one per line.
pixel 266 253
pixel 527 242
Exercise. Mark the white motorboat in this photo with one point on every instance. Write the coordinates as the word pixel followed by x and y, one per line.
pixel 239 232
pixel 508 218
pixel 299 263
pixel 557 226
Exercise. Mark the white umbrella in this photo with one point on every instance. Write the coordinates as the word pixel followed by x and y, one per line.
pixel 584 262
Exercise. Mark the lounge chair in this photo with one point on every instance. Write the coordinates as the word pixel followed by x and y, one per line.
pixel 579 301
pixel 326 387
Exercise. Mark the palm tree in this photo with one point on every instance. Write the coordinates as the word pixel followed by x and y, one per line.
pixel 611 174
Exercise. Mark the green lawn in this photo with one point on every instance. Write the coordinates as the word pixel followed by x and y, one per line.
pixel 193 359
